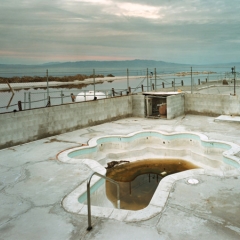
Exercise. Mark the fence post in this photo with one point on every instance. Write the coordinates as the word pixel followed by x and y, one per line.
pixel 153 86
pixel 191 82
pixel 127 78
pixel 174 84
pixel 142 88
pixel 182 82
pixel 47 84
pixel 155 82
pixel 113 92
pixel 151 75
pixel 147 81
pixel 129 90
pixel 19 105
pixel 49 102
pixel 234 81
pixel 29 100
pixel 163 84
pixel 85 96
pixel 94 83
pixel 61 96
pixel 198 81
pixel 25 99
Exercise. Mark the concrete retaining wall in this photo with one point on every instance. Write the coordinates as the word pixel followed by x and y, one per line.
pixel 175 106
pixel 25 126
pixel 212 105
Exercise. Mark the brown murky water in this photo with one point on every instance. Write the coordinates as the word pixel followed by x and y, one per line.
pixel 139 180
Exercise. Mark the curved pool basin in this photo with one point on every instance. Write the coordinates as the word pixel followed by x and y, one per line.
pixel 214 157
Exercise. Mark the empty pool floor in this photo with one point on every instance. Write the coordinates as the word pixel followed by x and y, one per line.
pixel 33 183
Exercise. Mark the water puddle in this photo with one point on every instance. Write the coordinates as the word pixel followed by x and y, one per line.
pixel 138 180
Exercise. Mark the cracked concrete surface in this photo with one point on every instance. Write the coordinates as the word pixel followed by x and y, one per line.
pixel 33 183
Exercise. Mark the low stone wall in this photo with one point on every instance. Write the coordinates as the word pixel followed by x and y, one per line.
pixel 25 126
pixel 212 104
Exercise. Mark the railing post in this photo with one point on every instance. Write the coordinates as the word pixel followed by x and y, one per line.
pixel 29 100
pixel 94 83
pixel 151 75
pixel 155 75
pixel 89 197
pixel 191 82
pixel 113 92
pixel 19 105
pixel 61 97
pixel 47 84
pixel 49 102
pixel 174 84
pixel 153 86
pixel 147 81
pixel 234 81
pixel 142 88
pixel 198 81
pixel 89 207
pixel 25 99
pixel 163 84
pixel 129 90
pixel 182 82
pixel 127 78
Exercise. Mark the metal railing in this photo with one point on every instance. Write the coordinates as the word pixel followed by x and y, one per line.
pixel 89 196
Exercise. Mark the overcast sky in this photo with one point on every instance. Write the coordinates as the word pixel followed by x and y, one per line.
pixel 181 31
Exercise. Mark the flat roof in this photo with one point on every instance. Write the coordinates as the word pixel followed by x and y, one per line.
pixel 161 93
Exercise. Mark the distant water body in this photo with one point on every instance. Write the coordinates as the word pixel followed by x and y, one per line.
pixel 10 71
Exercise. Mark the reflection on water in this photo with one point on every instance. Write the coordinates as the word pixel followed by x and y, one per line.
pixel 139 180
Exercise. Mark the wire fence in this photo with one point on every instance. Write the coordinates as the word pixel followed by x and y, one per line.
pixel 44 89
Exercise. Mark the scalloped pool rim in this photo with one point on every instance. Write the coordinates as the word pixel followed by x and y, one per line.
pixel 159 199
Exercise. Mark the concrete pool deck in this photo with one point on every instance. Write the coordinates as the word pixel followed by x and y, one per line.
pixel 33 183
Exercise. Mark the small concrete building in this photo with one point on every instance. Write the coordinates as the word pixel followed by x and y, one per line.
pixel 164 104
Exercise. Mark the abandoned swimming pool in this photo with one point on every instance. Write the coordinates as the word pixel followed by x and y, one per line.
pixel 210 157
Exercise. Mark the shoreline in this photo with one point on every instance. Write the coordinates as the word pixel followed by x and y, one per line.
pixel 82 83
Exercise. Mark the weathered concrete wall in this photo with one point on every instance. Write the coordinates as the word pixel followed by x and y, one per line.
pixel 212 105
pixel 138 106
pixel 175 106
pixel 24 126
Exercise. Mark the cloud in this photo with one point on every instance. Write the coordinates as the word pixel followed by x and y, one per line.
pixel 171 30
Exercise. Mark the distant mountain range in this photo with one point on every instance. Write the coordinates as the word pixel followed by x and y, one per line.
pixel 117 68
pixel 99 64
pixel 112 64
